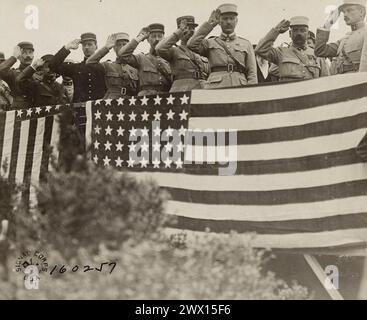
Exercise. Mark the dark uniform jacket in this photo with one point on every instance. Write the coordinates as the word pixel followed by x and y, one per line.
pixel 89 82
pixel 21 99
pixel 41 92
pixel 6 99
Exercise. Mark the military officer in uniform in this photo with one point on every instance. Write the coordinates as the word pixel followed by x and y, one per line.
pixel 24 52
pixel 89 82
pixel 231 58
pixel 189 69
pixel 46 92
pixel 298 61
pixel 6 99
pixel 154 72
pixel 121 79
pixel 348 50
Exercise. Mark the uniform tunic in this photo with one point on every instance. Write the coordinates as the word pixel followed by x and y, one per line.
pixel 21 99
pixel 41 92
pixel 154 72
pixel 348 50
pixel 224 70
pixel 294 63
pixel 121 79
pixel 189 69
pixel 6 98
pixel 89 82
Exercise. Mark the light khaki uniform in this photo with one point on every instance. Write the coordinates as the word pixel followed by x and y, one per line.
pixel 189 69
pixel 154 72
pixel 121 79
pixel 294 63
pixel 363 66
pixel 348 50
pixel 225 72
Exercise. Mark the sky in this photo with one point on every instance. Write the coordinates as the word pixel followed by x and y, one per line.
pixel 61 21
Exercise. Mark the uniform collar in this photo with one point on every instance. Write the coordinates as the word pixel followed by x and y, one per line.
pixel 358 25
pixel 300 48
pixel 153 52
pixel 226 37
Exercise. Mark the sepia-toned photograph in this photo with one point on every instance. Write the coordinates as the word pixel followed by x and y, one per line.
pixel 170 151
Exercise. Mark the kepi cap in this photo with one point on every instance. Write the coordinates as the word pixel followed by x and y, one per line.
pixel 299 21
pixel 26 45
pixel 67 80
pixel 47 57
pixel 88 36
pixel 351 3
pixel 190 20
pixel 228 8
pixel 2 56
pixel 156 27
pixel 122 36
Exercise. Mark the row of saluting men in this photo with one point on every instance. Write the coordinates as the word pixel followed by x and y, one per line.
pixel 198 62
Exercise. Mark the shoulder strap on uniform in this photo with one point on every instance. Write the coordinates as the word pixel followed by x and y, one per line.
pixel 229 53
pixel 191 56
pixel 303 60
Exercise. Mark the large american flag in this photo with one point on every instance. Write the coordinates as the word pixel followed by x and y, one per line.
pixel 283 164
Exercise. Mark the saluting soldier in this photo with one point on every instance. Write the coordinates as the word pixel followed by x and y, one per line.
pixel 46 92
pixel 121 79
pixel 154 72
pixel 298 61
pixel 189 69
pixel 24 52
pixel 6 99
pixel 89 82
pixel 348 50
pixel 231 58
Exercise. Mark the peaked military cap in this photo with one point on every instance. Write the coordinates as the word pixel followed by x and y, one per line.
pixel 156 27
pixel 122 36
pixel 352 2
pixel 228 8
pixel 300 21
pixel 26 45
pixel 190 20
pixel 47 57
pixel 88 36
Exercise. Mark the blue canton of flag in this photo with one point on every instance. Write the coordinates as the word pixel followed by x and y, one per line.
pixel 141 133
